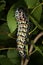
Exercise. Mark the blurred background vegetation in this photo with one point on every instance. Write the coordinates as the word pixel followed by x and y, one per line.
pixel 8 30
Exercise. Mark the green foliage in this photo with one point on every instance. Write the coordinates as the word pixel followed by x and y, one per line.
pixel 8 24
pixel 36 23
pixel 31 3
pixel 42 0
pixel 13 56
pixel 5 61
pixel 36 13
pixel 36 59
pixel 11 20
pixel 4 30
pixel 2 8
pixel 39 50
pixel 2 5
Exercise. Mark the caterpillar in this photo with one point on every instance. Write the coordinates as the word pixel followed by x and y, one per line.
pixel 22 33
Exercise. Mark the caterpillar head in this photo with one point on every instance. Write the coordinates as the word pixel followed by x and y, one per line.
pixel 19 14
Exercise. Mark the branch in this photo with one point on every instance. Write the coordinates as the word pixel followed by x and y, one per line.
pixel 34 41
pixel 26 61
pixel 37 37
pixel 22 61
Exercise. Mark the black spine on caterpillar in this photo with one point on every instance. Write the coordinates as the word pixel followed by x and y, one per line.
pixel 22 34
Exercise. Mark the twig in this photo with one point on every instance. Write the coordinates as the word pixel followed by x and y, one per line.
pixel 11 36
pixel 32 30
pixel 34 41
pixel 8 48
pixel 22 61
pixel 4 33
pixel 26 61
pixel 31 48
pixel 37 37
pixel 7 33
pixel 32 52
pixel 3 19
